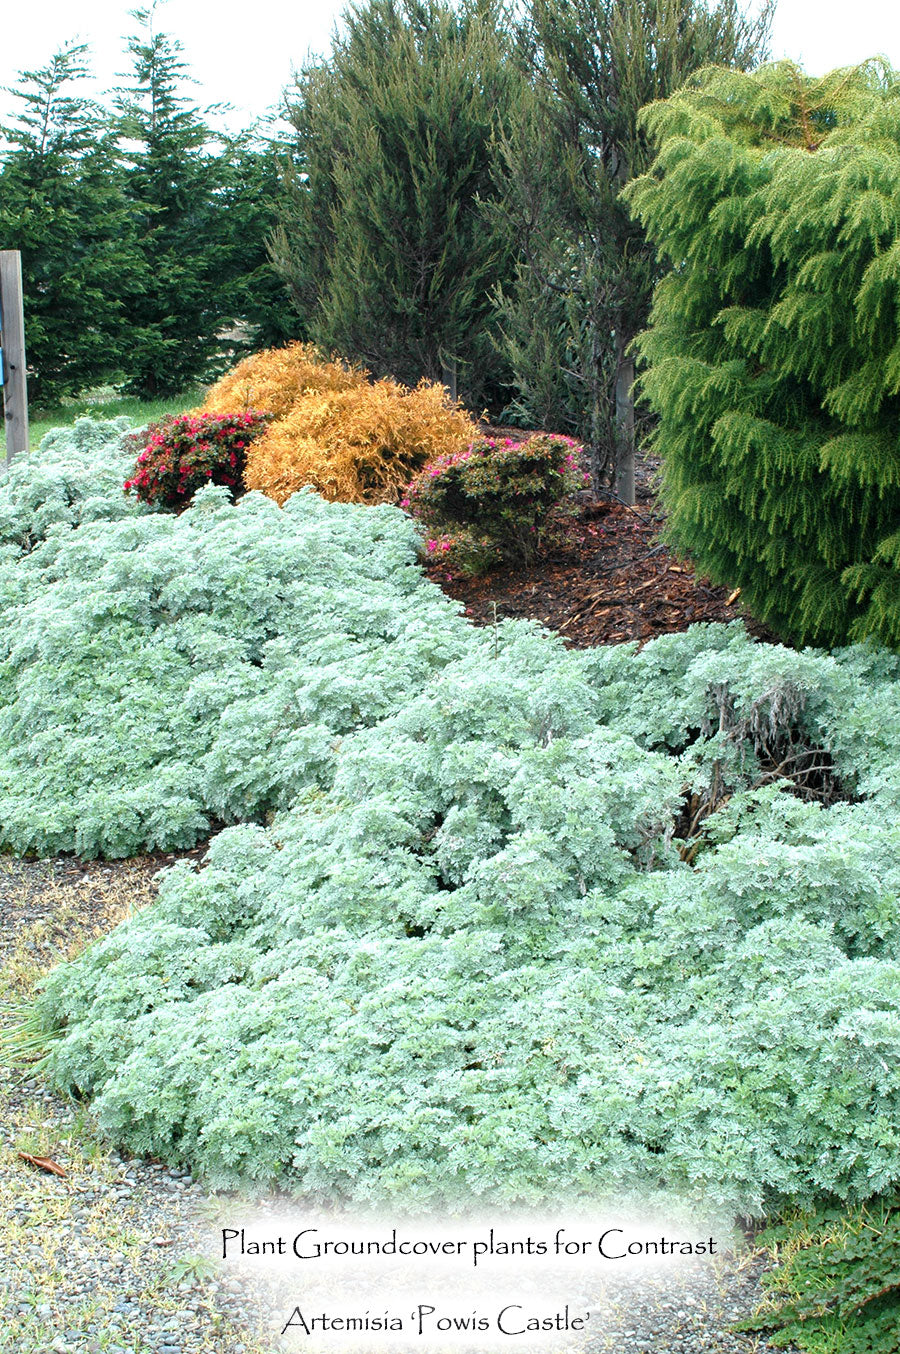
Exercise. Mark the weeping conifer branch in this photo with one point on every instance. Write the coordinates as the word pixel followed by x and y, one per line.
pixel 773 353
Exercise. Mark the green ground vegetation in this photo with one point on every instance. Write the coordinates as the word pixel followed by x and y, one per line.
pixel 107 403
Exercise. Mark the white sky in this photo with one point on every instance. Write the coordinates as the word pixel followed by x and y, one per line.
pixel 241 51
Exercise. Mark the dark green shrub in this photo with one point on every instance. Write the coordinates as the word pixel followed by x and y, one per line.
pixel 836 1289
pixel 182 453
pixel 491 500
pixel 773 356
pixel 382 242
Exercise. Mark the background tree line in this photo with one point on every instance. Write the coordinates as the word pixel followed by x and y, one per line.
pixel 142 231
pixel 448 207
pixel 458 215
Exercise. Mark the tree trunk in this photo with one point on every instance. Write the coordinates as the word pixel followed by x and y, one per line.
pixel 448 378
pixel 598 467
pixel 624 426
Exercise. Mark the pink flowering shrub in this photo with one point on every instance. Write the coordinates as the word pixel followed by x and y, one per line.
pixel 182 453
pixel 462 552
pixel 491 500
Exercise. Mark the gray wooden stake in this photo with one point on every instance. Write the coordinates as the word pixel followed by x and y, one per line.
pixel 12 330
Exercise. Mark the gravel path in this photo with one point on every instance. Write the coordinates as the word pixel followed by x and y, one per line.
pixel 109 1258
pixel 116 1256
pixel 689 1310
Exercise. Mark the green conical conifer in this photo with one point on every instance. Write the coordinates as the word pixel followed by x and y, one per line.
pixel 585 271
pixel 385 249
pixel 773 355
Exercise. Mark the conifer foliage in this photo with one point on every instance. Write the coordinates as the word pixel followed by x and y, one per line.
pixel 774 349
pixel 173 184
pixel 142 231
pixel 384 246
pixel 64 206
pixel 585 271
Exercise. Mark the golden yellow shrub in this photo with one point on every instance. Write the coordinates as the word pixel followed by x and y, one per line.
pixel 360 445
pixel 275 379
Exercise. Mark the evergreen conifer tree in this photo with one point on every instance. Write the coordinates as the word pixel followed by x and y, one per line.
pixel 249 196
pixel 204 218
pixel 63 205
pixel 773 355
pixel 586 271
pixel 385 250
pixel 172 181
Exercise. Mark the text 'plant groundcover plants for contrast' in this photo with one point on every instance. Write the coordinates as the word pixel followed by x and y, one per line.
pixel 456 944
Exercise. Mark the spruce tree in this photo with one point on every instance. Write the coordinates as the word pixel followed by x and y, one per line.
pixel 385 249
pixel 773 355
pixel 249 197
pixel 173 182
pixel 63 205
pixel 586 271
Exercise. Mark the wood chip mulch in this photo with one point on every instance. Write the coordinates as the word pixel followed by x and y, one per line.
pixel 607 577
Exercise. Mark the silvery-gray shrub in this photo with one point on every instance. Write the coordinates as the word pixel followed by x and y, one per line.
pixel 449 949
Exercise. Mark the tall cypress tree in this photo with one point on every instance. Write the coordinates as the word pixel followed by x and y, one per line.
pixel 586 271
pixel 63 204
pixel 773 356
pixel 385 249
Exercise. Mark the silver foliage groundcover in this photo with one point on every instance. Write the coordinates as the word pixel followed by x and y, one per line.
pixel 449 949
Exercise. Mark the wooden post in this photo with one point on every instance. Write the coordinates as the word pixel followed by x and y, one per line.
pixel 12 341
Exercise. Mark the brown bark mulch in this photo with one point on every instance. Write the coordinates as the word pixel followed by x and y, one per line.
pixel 606 576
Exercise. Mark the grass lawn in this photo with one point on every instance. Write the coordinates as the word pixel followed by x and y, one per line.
pixel 105 403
